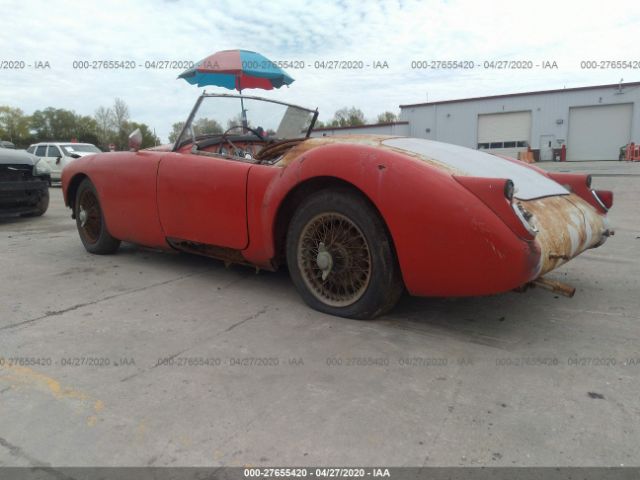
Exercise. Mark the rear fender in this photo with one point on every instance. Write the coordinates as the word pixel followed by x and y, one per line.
pixel 580 184
pixel 448 242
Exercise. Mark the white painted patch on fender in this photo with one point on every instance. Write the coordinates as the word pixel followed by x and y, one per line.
pixel 529 184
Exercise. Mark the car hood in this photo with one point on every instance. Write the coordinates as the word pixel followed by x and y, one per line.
pixel 16 157
pixel 529 183
pixel 85 154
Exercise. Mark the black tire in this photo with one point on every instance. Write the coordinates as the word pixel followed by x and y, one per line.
pixel 90 221
pixel 40 207
pixel 361 275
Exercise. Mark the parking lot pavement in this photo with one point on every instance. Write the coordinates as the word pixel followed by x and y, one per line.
pixel 150 358
pixel 604 168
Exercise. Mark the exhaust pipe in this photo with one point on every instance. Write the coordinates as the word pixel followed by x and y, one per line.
pixel 555 286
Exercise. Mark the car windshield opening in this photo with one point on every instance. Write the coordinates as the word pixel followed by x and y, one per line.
pixel 262 119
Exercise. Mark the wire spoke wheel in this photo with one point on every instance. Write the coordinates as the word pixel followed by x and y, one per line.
pixel 334 259
pixel 340 257
pixel 90 221
pixel 89 216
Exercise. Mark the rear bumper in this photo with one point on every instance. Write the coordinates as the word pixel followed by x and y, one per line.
pixel 567 226
pixel 22 196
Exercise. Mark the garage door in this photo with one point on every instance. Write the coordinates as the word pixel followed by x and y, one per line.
pixel 504 133
pixel 598 132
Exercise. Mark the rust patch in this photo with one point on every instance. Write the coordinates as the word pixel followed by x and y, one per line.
pixel 227 255
pixel 555 286
pixel 299 147
pixel 313 142
pixel 567 226
pixel 274 151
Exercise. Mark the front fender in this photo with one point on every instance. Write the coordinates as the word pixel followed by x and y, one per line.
pixel 80 166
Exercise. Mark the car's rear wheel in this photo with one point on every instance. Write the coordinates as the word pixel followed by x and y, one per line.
pixel 90 221
pixel 340 256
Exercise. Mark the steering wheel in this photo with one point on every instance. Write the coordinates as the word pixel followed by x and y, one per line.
pixel 226 139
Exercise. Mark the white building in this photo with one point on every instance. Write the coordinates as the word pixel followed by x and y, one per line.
pixel 392 128
pixel 593 122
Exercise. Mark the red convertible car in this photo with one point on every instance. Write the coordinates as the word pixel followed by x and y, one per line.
pixel 356 219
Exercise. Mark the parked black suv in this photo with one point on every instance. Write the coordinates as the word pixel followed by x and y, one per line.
pixel 24 183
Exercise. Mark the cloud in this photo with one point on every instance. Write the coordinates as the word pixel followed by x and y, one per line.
pixel 397 32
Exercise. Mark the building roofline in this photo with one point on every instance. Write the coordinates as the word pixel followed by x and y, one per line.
pixel 508 95
pixel 384 124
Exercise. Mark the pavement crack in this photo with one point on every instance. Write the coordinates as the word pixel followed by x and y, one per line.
pixel 168 359
pixel 244 320
pixel 18 452
pixel 55 313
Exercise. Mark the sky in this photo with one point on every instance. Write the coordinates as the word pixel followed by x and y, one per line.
pixel 398 32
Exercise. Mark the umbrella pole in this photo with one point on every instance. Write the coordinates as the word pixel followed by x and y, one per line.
pixel 244 115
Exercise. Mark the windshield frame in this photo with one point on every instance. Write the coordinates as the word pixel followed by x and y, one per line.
pixel 179 144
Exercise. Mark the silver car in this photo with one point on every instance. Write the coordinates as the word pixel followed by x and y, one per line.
pixel 57 154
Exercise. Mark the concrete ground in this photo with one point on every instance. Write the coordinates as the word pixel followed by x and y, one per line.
pixel 148 358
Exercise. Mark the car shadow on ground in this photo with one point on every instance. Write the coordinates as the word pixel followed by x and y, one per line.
pixel 497 321
pixel 17 219
pixel 8 219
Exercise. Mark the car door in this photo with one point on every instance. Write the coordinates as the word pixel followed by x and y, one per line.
pixel 54 159
pixel 203 198
pixel 40 151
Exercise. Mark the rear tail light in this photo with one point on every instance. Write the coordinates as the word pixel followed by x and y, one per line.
pixel 604 198
pixel 509 190
pixel 526 218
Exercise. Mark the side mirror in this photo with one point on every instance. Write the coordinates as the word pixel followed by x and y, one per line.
pixel 135 140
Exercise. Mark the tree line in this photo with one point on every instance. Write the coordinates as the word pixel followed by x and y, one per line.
pixel 344 117
pixel 108 125
pixel 353 117
pixel 112 125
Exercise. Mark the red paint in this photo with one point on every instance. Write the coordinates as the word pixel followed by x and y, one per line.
pixel 453 237
pixel 606 197
pixel 203 199
pixel 447 242
pixel 491 192
pixel 126 185
pixel 578 183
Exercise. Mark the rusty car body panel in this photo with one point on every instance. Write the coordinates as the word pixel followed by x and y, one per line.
pixel 567 226
pixel 454 233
